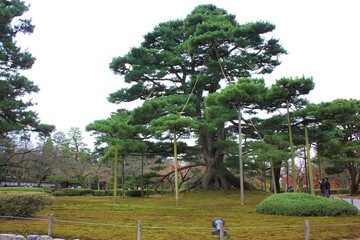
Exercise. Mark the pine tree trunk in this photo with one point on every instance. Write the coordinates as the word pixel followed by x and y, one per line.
pixel 354 179
pixel 277 171
pixel 217 176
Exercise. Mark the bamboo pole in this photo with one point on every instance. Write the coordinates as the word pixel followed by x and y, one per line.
pixel 293 170
pixel 115 171
pixel 240 160
pixel 176 171
pixel 311 182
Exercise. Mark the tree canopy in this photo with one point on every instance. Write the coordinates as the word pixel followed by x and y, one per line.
pixel 179 64
pixel 16 118
pixel 15 115
pixel 194 77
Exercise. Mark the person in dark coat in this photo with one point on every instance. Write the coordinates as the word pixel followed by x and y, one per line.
pixel 327 187
pixel 322 187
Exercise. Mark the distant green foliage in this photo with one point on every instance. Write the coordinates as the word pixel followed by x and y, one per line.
pixel 48 189
pixel 21 189
pixel 133 193
pixel 59 193
pixel 334 191
pixel 103 192
pixel 23 204
pixel 73 192
pixel 90 192
pixel 106 192
pixel 304 204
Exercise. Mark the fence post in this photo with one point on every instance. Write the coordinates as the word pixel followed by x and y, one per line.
pixel 139 229
pixel 51 220
pixel 221 230
pixel 307 230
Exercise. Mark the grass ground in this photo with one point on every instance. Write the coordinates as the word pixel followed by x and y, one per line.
pixel 97 218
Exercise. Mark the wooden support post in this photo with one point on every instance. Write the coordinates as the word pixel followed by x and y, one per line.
pixel 51 220
pixel 307 230
pixel 139 229
pixel 221 230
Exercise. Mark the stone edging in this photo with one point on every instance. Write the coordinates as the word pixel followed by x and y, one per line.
pixel 29 237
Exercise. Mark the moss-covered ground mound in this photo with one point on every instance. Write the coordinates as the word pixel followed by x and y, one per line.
pixel 304 204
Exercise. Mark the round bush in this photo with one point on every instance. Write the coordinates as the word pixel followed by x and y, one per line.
pixel 304 204
pixel 23 204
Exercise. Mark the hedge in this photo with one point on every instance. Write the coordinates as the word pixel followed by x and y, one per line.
pixel 23 204
pixel 73 192
pixel 87 191
pixel 21 189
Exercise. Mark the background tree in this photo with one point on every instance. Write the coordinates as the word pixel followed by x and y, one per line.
pixel 286 93
pixel 42 162
pixel 81 159
pixel 15 116
pixel 341 118
pixel 270 153
pixel 119 138
pixel 193 56
pixel 62 167
pixel 14 109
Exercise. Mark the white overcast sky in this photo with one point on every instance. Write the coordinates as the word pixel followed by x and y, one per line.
pixel 75 40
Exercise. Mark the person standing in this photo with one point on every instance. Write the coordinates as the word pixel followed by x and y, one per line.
pixel 322 187
pixel 327 187
pixel 290 188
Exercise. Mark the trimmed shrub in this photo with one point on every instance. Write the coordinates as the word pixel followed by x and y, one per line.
pixel 73 192
pixel 100 193
pixel 58 193
pixel 21 189
pixel 106 192
pixel 334 191
pixel 137 193
pixel 340 191
pixel 164 192
pixel 304 204
pixel 133 193
pixel 48 189
pixel 23 204
pixel 78 191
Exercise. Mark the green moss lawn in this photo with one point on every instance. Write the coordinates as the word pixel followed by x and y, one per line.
pixel 95 218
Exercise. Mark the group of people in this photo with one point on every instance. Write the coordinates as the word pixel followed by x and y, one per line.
pixel 324 187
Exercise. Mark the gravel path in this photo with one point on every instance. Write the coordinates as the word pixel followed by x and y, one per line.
pixel 354 201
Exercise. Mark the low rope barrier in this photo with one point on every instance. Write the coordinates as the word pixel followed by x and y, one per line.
pixel 139 225
pixel 179 227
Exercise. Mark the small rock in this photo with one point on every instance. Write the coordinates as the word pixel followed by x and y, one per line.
pixel 18 237
pixel 32 237
pixel 6 236
pixel 45 237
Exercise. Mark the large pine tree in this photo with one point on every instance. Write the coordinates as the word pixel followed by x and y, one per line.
pixel 195 56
